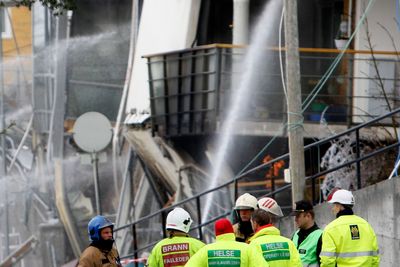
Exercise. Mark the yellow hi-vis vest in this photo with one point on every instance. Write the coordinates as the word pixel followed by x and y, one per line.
pixel 227 252
pixel 277 250
pixel 349 241
pixel 174 251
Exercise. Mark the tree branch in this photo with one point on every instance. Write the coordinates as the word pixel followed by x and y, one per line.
pixel 378 76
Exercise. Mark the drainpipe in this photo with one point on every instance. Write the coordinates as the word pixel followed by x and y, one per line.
pixel 64 211
pixel 3 167
pixel 240 22
pixel 116 132
pixel 240 36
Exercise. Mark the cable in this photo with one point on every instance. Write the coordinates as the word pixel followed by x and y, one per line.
pixel 260 152
pixel 280 52
pixel 122 104
pixel 284 125
pixel 330 70
pixel 310 97
pixel 398 14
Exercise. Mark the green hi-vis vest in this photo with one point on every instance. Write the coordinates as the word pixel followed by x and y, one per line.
pixel 308 248
pixel 224 257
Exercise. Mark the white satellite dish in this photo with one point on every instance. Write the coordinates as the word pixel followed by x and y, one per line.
pixel 92 132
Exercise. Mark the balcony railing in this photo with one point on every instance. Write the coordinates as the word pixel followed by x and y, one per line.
pixel 190 89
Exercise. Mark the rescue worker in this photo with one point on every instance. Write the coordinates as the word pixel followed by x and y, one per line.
pixel 226 251
pixel 244 207
pixel 101 252
pixel 349 240
pixel 271 206
pixel 308 238
pixel 277 250
pixel 178 247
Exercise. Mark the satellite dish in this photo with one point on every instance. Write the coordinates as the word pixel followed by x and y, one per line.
pixel 92 132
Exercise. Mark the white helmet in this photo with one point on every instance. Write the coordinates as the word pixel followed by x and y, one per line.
pixel 270 205
pixel 342 196
pixel 178 219
pixel 246 202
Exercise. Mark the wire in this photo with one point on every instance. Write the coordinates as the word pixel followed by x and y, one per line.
pixel 398 14
pixel 314 92
pixel 284 125
pixel 280 52
pixel 330 70
pixel 261 151
pixel 122 104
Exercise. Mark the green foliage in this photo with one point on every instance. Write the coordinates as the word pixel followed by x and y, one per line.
pixel 58 6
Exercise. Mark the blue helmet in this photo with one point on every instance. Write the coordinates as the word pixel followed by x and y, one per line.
pixel 96 224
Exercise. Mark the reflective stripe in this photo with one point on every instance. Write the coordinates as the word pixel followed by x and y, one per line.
pixel 328 254
pixel 349 254
pixel 357 254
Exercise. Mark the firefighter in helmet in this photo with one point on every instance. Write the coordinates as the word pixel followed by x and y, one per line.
pixel 101 251
pixel 178 247
pixel 244 207
pixel 349 240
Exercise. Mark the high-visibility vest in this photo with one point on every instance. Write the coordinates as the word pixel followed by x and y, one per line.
pixel 277 250
pixel 349 241
pixel 227 252
pixel 308 248
pixel 174 251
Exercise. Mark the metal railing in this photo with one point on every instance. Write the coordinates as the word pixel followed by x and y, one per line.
pixel 190 89
pixel 194 204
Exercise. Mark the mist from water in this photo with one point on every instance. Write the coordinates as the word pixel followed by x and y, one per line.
pixel 253 65
pixel 18 99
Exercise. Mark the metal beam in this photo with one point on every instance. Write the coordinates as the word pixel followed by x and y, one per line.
pixel 20 252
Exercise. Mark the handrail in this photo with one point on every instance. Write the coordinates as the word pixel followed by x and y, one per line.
pixel 301 49
pixel 357 127
pixel 234 181
pixel 191 230
pixel 353 129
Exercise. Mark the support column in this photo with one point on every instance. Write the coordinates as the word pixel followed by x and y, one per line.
pixel 240 22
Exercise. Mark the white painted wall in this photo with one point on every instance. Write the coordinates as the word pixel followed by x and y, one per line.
pixel 165 25
pixel 384 13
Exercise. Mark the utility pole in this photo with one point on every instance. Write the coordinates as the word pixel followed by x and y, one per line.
pixel 295 116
